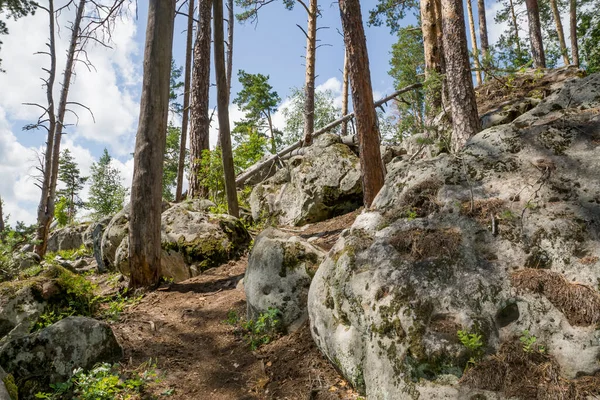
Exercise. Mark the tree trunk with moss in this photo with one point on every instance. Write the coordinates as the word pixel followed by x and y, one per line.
pixel 465 119
pixel 362 99
pixel 146 189
pixel 200 120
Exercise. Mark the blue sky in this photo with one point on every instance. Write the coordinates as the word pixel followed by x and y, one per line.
pixel 275 47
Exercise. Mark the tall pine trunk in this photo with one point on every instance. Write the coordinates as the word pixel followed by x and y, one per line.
pixel 200 120
pixel 230 26
pixel 573 31
pixel 44 218
pixel 54 153
pixel 186 100
pixel 433 66
pixel 474 43
pixel 535 34
pixel 223 109
pixel 362 99
pixel 465 120
pixel 309 82
pixel 344 130
pixel 483 34
pixel 559 30
pixel 146 189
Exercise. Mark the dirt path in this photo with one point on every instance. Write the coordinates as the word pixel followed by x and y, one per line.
pixel 182 327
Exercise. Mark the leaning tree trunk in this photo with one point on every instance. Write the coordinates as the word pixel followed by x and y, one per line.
pixel 474 43
pixel 483 34
pixel 573 26
pixel 432 54
pixel 230 26
pixel 535 34
pixel 186 101
pixel 559 30
pixel 146 189
pixel 200 120
pixel 223 110
pixel 309 83
pixel 44 217
pixel 465 120
pixel 344 130
pixel 362 99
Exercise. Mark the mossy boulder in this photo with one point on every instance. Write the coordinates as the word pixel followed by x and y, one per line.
pixel 498 240
pixel 322 182
pixel 193 240
pixel 68 238
pixel 51 354
pixel 280 269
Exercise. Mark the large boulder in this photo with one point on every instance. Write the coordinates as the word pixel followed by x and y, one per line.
pixel 67 238
pixel 323 182
pixel 114 233
pixel 280 269
pixel 51 355
pixel 193 240
pixel 501 241
pixel 20 308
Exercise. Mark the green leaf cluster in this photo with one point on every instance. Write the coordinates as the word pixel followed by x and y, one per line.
pixel 107 193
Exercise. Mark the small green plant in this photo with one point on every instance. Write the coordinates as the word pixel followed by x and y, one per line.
pixel 508 215
pixel 264 329
pixel 232 317
pixel 114 307
pixel 473 343
pixel 411 214
pixel 103 382
pixel 70 255
pixel 529 342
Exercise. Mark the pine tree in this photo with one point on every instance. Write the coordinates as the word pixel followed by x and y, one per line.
pixel 107 193
pixel 69 174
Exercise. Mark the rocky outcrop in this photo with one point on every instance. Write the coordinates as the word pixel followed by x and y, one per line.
pixel 114 233
pixel 502 241
pixel 193 240
pixel 68 238
pixel 280 269
pixel 51 355
pixel 323 182
pixel 20 309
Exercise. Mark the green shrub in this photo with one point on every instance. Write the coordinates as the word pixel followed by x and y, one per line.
pixel 103 382
pixel 267 327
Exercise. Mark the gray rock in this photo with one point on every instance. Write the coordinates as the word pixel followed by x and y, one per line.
pixel 114 233
pixel 67 238
pixel 51 355
pixel 26 260
pixel 96 231
pixel 501 240
pixel 4 394
pixel 508 112
pixel 192 240
pixel 323 182
pixel 19 311
pixel 279 272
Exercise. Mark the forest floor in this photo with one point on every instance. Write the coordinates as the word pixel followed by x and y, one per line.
pixel 182 328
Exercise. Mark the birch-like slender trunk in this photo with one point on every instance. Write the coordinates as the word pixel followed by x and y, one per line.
pixel 483 34
pixel 230 26
pixel 309 82
pixel 474 43
pixel 344 130
pixel 559 30
pixel 573 31
pixel 223 109
pixel 186 100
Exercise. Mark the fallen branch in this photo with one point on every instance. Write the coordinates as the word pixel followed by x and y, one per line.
pixel 251 171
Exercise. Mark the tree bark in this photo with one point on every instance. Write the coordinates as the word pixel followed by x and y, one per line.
pixel 429 22
pixel 146 189
pixel 309 83
pixel 223 109
pixel 230 26
pixel 186 101
pixel 483 33
pixel 44 218
pixel 362 99
pixel 474 43
pixel 1 219
pixel 465 120
pixel 200 120
pixel 513 15
pixel 559 30
pixel 344 130
pixel 573 26
pixel 535 34
pixel 53 153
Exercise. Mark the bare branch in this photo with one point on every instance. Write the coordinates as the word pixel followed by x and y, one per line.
pixel 303 31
